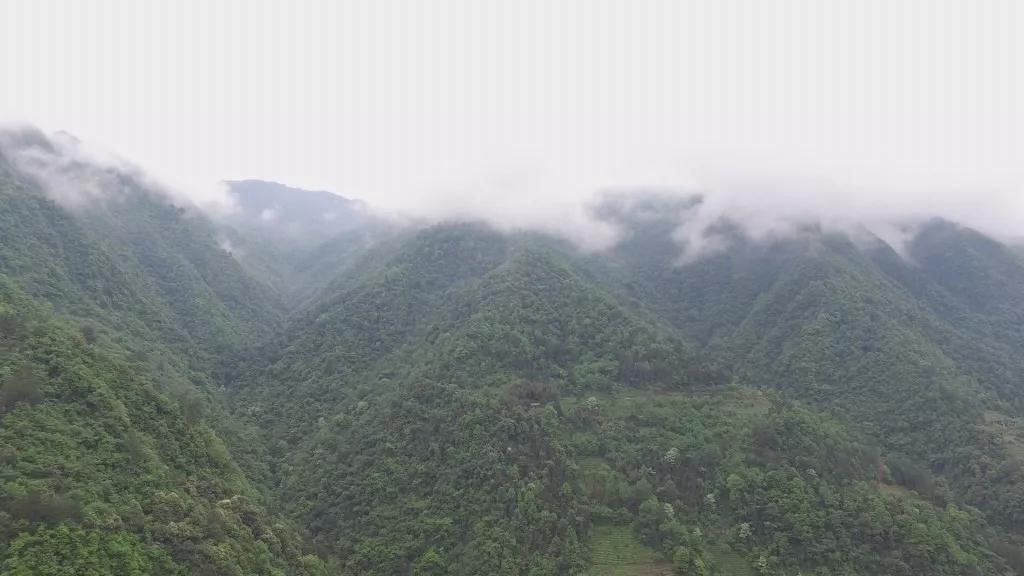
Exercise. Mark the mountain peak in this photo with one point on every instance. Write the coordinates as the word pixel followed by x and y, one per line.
pixel 293 215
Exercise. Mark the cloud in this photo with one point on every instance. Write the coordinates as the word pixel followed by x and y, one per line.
pixel 884 200
pixel 879 112
pixel 78 175
pixel 593 201
pixel 60 165
pixel 765 194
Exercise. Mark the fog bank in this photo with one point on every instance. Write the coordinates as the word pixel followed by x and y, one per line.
pixel 879 112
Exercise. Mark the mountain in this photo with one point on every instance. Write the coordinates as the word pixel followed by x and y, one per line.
pixel 918 349
pixel 104 472
pixel 125 252
pixel 187 394
pixel 297 240
pixel 294 215
pixel 118 306
pixel 463 325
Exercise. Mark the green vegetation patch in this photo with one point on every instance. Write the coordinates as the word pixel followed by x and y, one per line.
pixel 616 552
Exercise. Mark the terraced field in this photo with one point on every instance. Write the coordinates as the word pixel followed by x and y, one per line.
pixel 728 561
pixel 615 552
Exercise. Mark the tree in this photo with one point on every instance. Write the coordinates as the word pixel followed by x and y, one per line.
pixel 23 385
pixel 66 550
pixel 431 563
pixel 192 407
pixel 649 519
pixel 89 332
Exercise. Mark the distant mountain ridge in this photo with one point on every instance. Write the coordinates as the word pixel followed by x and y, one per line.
pixel 293 214
pixel 297 240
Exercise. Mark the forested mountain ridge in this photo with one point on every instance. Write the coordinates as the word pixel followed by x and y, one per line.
pixel 118 306
pixel 505 324
pixel 124 252
pixel 104 473
pixel 459 400
pixel 293 215
pixel 296 240
pixel 881 339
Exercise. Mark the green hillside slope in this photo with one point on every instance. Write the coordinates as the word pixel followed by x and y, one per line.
pixel 104 474
pixel 182 395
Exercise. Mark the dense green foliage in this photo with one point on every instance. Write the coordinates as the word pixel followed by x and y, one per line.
pixel 873 337
pixel 104 474
pixel 185 396
pixel 463 326
pixel 710 478
pixel 114 318
pixel 418 387
pixel 135 263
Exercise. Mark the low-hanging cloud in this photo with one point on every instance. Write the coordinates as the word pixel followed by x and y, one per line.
pixel 881 203
pixel 80 175
pixel 66 170
pixel 765 196
pixel 879 113
pixel 576 197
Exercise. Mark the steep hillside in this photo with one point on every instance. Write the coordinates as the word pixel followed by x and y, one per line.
pixel 898 345
pixel 429 375
pixel 183 395
pixel 739 482
pixel 105 474
pixel 293 215
pixel 118 308
pixel 297 240
pixel 122 253
pixel 470 306
pixel 975 285
pixel 440 406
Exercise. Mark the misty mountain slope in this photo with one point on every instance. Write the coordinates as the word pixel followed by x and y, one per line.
pixel 55 258
pixel 713 296
pixel 459 400
pixel 453 460
pixel 474 307
pixel 292 215
pixel 985 318
pixel 858 330
pixel 426 411
pixel 410 367
pixel 214 299
pixel 129 272
pixel 297 240
pixel 315 269
pixel 103 473
pixel 704 290
pixel 372 313
pixel 431 402
pixel 125 255
pixel 833 332
pixel 538 316
pixel 985 275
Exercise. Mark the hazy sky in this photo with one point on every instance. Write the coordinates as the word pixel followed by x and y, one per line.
pixel 846 110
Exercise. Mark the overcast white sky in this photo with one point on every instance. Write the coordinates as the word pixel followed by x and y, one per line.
pixel 843 109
